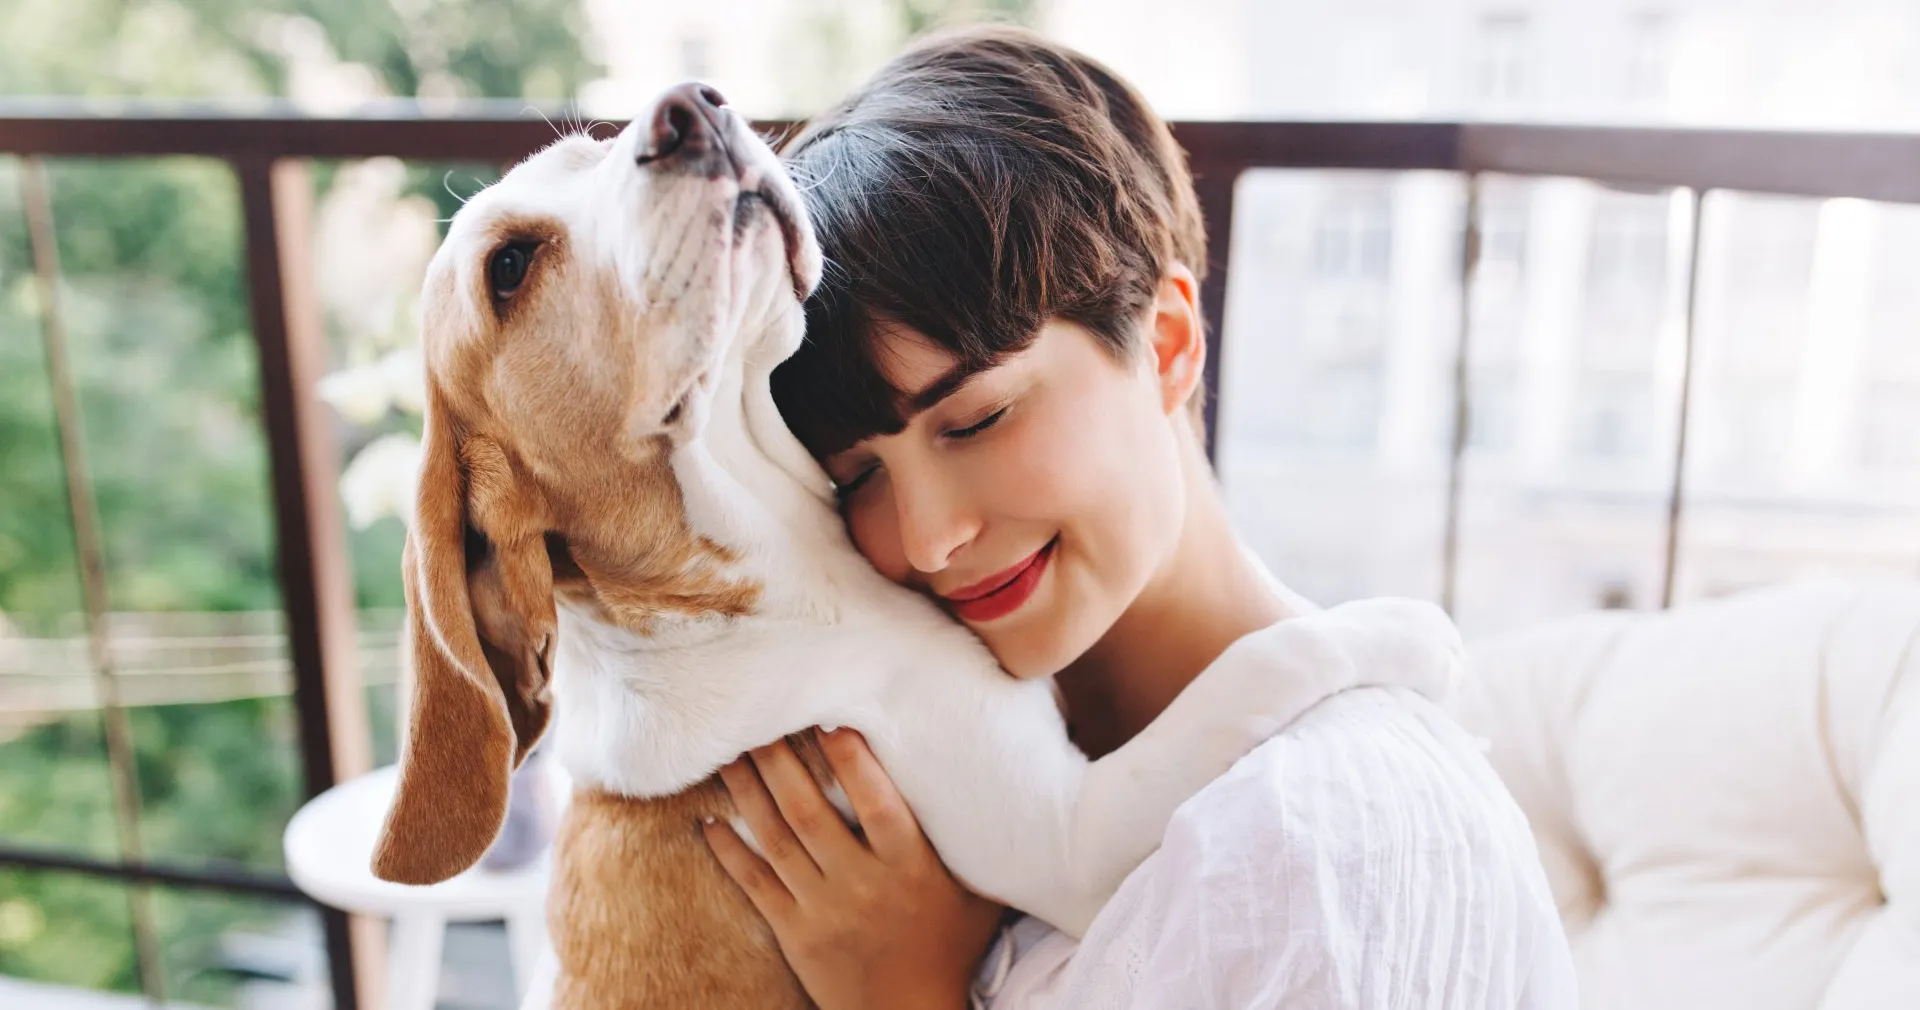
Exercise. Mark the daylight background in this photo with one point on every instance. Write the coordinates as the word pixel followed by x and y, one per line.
pixel 1338 347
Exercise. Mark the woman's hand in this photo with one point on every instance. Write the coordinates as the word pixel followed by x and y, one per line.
pixel 874 923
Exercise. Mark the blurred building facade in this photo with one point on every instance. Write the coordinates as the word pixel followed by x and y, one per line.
pixel 1344 316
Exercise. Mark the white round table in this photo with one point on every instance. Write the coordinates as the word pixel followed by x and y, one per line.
pixel 329 848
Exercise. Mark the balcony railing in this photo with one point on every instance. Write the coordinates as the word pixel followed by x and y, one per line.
pixel 267 154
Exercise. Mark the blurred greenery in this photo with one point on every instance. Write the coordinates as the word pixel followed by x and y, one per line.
pixel 918 16
pixel 230 48
pixel 217 782
pixel 154 293
pixel 155 302
pixel 65 928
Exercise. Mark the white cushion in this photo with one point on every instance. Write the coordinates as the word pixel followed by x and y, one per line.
pixel 1727 796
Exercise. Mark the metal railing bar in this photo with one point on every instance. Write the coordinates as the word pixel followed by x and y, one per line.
pixel 495 137
pixel 229 879
pixel 505 139
pixel 1462 401
pixel 1876 166
pixel 1690 325
pixel 83 512
pixel 1871 166
pixel 1233 147
pixel 263 139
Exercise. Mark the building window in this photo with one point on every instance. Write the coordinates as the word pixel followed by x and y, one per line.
pixel 696 56
pixel 1353 238
pixel 1500 69
pixel 1342 363
pixel 1769 245
pixel 1503 233
pixel 1493 409
pixel 1613 417
pixel 1499 294
pixel 1649 54
pixel 1771 242
pixel 1359 333
pixel 1344 403
pixel 1627 250
pixel 1744 435
pixel 1890 428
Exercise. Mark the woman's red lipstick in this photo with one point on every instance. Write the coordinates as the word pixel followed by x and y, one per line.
pixel 999 595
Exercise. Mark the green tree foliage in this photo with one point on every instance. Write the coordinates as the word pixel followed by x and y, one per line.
pixel 917 16
pixel 158 337
pixel 216 780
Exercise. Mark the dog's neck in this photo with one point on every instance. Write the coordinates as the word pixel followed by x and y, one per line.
pixel 749 485
pixel 650 707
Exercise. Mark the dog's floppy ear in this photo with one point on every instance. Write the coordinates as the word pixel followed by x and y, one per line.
pixel 481 627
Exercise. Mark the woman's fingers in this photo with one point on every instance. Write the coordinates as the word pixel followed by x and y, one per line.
pixel 806 810
pixel 885 818
pixel 771 834
pixel 761 884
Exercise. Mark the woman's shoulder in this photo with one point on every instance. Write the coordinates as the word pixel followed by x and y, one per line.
pixel 1364 852
pixel 1365 768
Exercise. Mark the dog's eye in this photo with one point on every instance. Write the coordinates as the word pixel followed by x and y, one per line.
pixel 508 267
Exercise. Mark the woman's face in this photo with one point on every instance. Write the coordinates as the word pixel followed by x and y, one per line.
pixel 1034 499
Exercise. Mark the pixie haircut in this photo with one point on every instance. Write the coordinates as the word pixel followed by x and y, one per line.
pixel 984 182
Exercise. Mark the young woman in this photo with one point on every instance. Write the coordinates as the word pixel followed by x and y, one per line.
pixel 1003 375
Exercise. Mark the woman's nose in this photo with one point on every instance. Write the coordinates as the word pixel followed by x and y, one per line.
pixel 934 522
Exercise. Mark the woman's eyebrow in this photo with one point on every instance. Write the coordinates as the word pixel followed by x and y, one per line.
pixel 949 383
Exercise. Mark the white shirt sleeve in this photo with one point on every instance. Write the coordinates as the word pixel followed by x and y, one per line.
pixel 1368 857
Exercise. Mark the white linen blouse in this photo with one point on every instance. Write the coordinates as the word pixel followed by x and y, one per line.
pixel 1368 857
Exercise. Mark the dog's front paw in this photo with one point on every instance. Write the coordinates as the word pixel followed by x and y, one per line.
pixel 1396 642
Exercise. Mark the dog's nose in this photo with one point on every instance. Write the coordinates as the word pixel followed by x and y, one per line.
pixel 685 126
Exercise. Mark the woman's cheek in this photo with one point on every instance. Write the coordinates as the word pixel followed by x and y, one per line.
pixel 872 523
pixel 1057 462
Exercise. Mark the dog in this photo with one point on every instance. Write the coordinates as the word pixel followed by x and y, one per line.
pixel 616 531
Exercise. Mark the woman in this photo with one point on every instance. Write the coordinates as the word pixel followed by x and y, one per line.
pixel 1003 375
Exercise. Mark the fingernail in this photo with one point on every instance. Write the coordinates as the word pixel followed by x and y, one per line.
pixel 708 821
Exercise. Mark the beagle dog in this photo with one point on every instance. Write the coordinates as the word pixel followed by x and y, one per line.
pixel 615 530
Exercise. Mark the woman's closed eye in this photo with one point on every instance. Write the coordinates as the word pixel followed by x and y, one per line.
pixel 960 434
pixel 844 489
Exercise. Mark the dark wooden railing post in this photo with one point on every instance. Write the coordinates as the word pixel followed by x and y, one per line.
pixel 1215 185
pixel 315 583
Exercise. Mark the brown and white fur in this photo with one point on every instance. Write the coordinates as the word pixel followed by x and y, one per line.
pixel 615 526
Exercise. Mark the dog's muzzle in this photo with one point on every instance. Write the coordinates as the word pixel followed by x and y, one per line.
pixel 692 131
pixel 689 133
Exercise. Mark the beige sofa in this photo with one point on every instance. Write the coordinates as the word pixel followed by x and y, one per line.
pixel 1726 796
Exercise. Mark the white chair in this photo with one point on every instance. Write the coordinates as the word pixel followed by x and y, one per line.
pixel 1726 796
pixel 329 849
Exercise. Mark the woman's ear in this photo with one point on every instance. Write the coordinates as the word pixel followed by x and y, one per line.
pixel 1179 338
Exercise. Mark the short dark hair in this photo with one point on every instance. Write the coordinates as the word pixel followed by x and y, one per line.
pixel 983 182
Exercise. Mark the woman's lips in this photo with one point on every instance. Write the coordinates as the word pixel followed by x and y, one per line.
pixel 1001 594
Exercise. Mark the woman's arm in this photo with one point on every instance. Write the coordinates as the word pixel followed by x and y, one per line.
pixel 867 923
